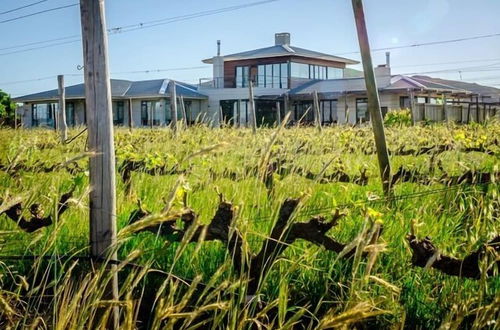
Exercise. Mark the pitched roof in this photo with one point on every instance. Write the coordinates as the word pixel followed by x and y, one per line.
pixel 472 87
pixel 120 89
pixel 334 87
pixel 283 50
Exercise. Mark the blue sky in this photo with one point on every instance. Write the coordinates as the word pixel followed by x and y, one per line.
pixel 321 25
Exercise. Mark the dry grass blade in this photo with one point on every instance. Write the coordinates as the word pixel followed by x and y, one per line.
pixel 358 313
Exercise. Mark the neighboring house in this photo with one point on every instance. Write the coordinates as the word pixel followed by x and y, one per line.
pixel 281 73
pixel 149 102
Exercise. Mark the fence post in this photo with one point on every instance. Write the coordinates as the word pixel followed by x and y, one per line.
pixel 152 112
pixel 173 105
pixel 221 117
pixel 251 105
pixel 183 110
pixel 413 108
pixel 102 197
pixel 373 97
pixel 317 114
pixel 130 114
pixel 62 108
pixel 278 113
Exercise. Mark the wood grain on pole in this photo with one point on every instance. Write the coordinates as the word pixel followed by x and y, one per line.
pixel 251 105
pixel 62 108
pixel 317 113
pixel 102 197
pixel 173 105
pixel 373 97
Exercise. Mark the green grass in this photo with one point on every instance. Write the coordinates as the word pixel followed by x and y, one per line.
pixel 306 280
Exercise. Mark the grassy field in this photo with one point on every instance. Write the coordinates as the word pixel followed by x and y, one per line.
pixel 307 286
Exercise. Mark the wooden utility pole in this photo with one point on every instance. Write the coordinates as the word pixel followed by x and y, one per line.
pixel 183 110
pixel 62 108
pixel 278 113
pixel 251 105
pixel 317 113
pixel 173 105
pixel 102 198
pixel 130 114
pixel 373 97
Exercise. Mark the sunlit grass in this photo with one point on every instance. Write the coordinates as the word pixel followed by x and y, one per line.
pixel 306 282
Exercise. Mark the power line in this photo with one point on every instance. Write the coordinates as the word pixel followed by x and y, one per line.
pixel 443 63
pixel 42 42
pixel 431 43
pixel 482 68
pixel 22 7
pixel 38 13
pixel 133 27
pixel 40 47
pixel 113 73
pixel 169 20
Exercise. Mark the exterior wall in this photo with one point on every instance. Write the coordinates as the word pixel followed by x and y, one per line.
pixel 25 115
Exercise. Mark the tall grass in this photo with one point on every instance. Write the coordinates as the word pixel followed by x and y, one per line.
pixel 193 285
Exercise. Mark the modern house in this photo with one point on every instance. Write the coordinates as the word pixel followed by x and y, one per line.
pixel 282 74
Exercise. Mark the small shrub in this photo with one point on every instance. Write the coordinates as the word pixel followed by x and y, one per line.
pixel 398 118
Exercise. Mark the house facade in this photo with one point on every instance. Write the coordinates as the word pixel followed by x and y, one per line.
pixel 282 76
pixel 134 103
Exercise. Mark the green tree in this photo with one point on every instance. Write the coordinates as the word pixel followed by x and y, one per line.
pixel 7 110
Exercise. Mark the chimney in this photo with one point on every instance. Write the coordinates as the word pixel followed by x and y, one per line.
pixel 388 59
pixel 218 47
pixel 282 39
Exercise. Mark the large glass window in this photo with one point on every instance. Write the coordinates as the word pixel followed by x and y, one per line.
pixel 284 75
pixel 42 115
pixel 299 70
pixel 118 113
pixel 362 110
pixel 242 75
pixel 261 76
pixel 273 75
pixel 335 73
pixel 276 76
pixel 312 71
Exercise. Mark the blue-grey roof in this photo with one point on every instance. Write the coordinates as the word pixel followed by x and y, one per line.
pixel 283 50
pixel 121 89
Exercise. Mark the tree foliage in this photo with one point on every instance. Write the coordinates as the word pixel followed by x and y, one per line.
pixel 7 109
